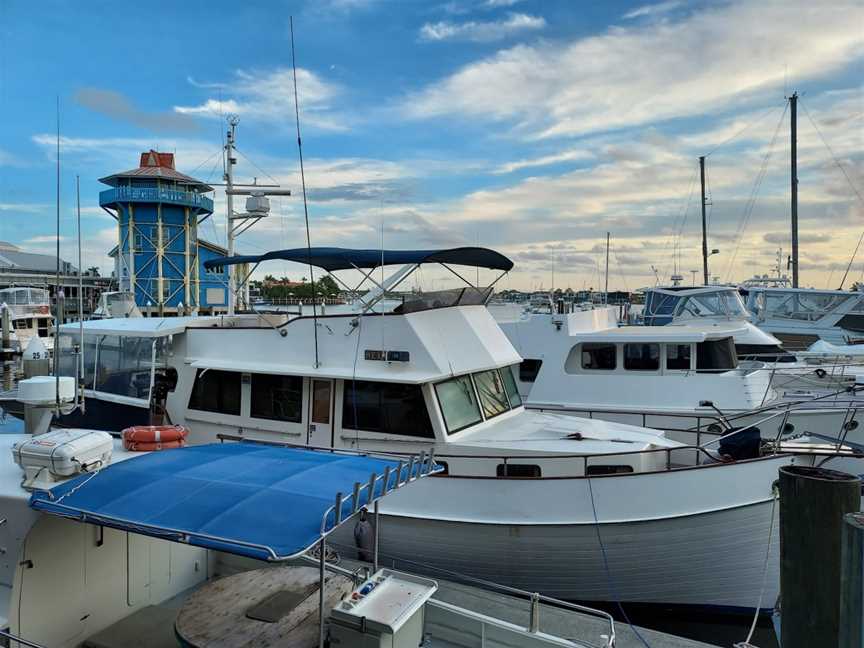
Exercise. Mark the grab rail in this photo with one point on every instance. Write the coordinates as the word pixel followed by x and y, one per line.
pixel 30 644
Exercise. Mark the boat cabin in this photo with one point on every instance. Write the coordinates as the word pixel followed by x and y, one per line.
pixel 435 371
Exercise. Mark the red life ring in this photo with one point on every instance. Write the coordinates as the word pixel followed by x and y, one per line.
pixel 44 310
pixel 146 438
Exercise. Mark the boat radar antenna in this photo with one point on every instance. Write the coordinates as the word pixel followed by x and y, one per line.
pixel 257 207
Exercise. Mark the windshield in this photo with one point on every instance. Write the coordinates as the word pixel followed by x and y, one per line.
pixel 115 364
pixel 725 303
pixel 467 400
pixel 805 306
pixel 24 296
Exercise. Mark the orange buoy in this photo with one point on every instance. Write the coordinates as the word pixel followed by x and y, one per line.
pixel 146 438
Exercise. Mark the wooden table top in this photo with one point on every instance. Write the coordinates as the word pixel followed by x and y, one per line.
pixel 215 615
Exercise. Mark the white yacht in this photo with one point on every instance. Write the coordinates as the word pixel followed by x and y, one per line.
pixel 30 310
pixel 531 499
pixel 685 378
pixel 116 303
pixel 801 316
pixel 721 305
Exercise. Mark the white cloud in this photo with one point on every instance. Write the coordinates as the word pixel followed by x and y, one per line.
pixel 545 160
pixel 494 4
pixel 648 73
pixel 24 208
pixel 269 96
pixel 652 10
pixel 480 31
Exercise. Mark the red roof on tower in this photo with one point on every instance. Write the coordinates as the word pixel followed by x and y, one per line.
pixel 155 165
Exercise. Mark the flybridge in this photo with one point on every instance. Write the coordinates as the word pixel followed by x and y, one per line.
pixel 332 259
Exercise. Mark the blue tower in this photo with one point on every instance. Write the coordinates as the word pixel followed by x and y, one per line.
pixel 159 257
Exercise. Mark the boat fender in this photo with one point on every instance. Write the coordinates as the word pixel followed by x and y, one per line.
pixel 147 438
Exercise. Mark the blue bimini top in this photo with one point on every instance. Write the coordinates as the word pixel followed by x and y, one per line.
pixel 333 259
pixel 256 500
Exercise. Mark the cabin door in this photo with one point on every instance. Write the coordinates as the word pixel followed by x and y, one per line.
pixel 321 414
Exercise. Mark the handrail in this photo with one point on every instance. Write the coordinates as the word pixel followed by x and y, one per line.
pixel 24 642
pixel 508 589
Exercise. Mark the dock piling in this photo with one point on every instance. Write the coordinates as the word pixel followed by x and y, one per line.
pixel 813 502
pixel 852 582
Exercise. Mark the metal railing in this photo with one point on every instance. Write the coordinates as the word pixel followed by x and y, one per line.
pixel 19 640
pixel 153 194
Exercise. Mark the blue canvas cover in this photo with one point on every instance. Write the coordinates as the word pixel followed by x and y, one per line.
pixel 333 258
pixel 255 500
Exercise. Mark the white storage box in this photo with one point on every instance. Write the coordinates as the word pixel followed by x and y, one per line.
pixel 64 453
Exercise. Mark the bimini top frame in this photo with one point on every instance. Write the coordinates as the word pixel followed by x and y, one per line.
pixel 332 259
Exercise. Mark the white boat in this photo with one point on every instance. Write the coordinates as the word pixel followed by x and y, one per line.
pixel 682 378
pixel 801 316
pixel 116 303
pixel 531 499
pixel 30 310
pixel 723 306
pixel 103 551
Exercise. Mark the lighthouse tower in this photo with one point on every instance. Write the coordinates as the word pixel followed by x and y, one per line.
pixel 159 257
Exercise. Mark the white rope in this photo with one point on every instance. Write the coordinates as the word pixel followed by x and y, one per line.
pixel 746 643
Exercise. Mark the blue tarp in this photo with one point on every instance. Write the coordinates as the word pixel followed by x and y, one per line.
pixel 251 499
pixel 332 258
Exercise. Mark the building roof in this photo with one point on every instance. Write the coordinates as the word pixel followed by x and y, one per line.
pixel 155 165
pixel 12 258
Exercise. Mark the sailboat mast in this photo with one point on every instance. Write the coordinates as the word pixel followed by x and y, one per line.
pixel 793 112
pixel 704 223
pixel 607 267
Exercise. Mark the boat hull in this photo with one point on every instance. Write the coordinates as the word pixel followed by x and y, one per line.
pixel 686 537
pixel 715 559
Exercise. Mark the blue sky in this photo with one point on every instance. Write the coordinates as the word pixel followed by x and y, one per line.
pixel 531 127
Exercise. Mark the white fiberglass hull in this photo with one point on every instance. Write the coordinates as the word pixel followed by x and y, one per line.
pixel 713 559
pixel 691 537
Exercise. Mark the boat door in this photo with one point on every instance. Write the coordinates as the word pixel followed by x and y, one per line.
pixel 321 413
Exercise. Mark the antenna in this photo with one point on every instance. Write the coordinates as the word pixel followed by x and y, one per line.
pixel 56 354
pixel 80 300
pixel 303 183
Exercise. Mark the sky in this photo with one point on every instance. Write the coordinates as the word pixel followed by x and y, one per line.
pixel 531 127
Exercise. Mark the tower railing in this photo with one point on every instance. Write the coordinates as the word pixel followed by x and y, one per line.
pixel 154 194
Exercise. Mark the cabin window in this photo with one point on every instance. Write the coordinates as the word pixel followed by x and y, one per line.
pixel 598 355
pixel 278 398
pixel 510 387
pixel 216 391
pixel 528 370
pixel 608 470
pixel 678 357
pixel 389 408
pixel 493 398
pixel 458 403
pixel 517 470
pixel 642 357
pixel 716 355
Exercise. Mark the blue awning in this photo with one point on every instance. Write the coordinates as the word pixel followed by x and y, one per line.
pixel 332 258
pixel 256 500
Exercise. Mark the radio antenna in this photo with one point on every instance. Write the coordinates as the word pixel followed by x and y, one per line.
pixel 305 204
pixel 57 322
